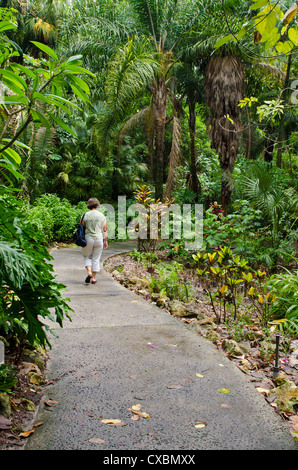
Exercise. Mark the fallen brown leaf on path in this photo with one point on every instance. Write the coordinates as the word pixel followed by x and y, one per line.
pixel 135 417
pixel 200 424
pixel 26 433
pixel 96 440
pixel 51 402
pixel 140 413
pixel 262 390
pixel 176 386
pixel 137 407
pixel 27 367
pixel 113 422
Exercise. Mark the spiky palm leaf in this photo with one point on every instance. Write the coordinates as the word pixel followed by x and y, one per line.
pixel 266 193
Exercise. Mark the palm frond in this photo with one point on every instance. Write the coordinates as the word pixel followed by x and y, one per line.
pixel 132 69
pixel 141 116
pixel 150 14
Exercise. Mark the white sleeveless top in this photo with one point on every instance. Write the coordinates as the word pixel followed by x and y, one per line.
pixel 94 221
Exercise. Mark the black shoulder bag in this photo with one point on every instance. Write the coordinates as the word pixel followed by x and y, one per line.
pixel 79 236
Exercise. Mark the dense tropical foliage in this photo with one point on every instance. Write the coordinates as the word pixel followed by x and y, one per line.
pixel 195 100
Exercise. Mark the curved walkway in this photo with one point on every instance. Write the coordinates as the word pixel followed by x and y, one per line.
pixel 119 351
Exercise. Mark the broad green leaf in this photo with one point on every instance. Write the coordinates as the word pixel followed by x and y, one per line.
pixel 24 69
pixel 46 49
pixel 223 41
pixel 19 81
pixel 75 58
pixel 47 75
pixel 79 93
pixel 50 101
pixel 14 99
pixel 39 96
pixel 39 118
pixel 12 86
pixel 12 169
pixel 284 47
pixel 272 41
pixel 293 35
pixel 242 31
pixel 78 82
pixel 258 4
pixel 12 155
pixel 266 20
pixel 6 25
pixel 62 124
pixel 18 143
pixel 60 98
pixel 267 35
pixel 79 70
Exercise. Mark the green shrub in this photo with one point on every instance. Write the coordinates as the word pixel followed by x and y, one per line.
pixel 285 288
pixel 168 282
pixel 28 289
pixel 56 219
pixel 7 378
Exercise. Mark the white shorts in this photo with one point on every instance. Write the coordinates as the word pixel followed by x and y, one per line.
pixel 92 253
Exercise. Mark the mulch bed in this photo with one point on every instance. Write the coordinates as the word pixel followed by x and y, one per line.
pixel 24 398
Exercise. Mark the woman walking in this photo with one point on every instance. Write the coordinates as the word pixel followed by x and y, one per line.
pixel 96 237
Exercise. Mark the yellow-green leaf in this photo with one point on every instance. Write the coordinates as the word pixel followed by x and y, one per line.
pixel 223 41
pixel 293 35
pixel 224 391
pixel 290 14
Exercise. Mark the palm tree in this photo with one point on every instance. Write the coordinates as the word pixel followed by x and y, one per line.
pixel 223 84
pixel 224 89
pixel 190 78
pixel 145 64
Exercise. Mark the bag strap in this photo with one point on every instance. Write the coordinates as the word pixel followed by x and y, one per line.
pixel 82 218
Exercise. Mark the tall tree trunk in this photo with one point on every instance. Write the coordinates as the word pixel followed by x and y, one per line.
pixel 194 181
pixel 174 158
pixel 159 106
pixel 224 87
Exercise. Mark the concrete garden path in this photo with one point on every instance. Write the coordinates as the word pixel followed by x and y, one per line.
pixel 120 351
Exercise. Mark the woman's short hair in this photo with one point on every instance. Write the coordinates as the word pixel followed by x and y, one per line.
pixel 92 203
